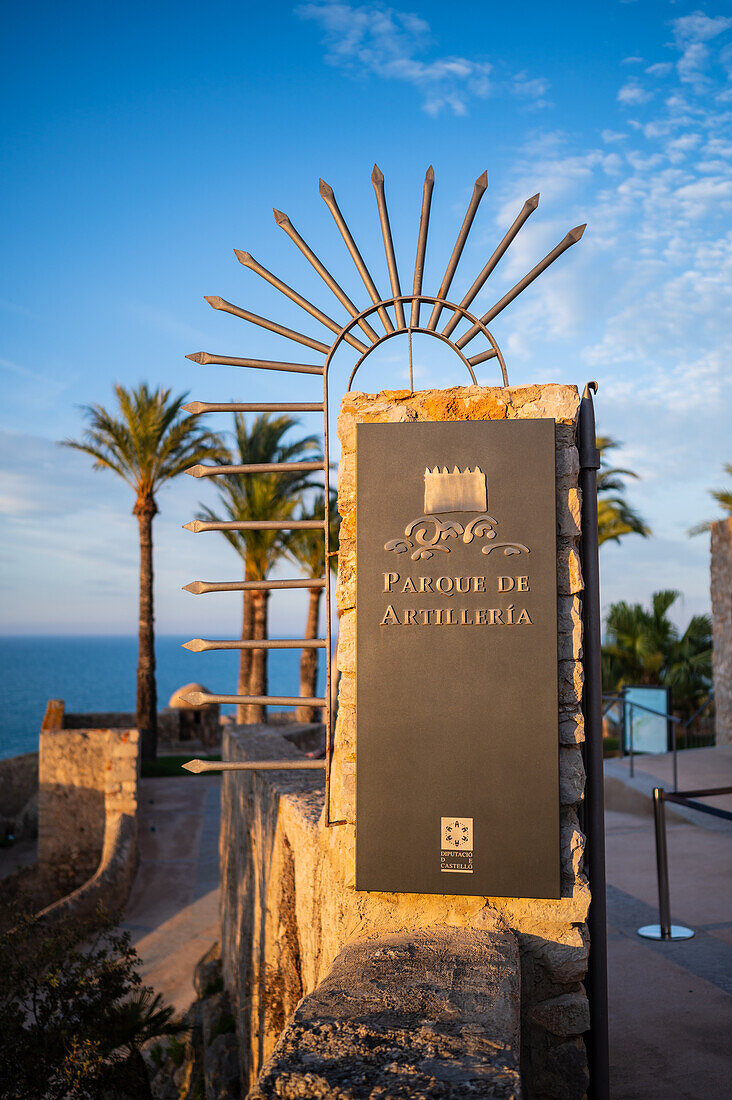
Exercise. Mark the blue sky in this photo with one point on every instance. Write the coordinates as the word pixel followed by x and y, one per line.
pixel 144 142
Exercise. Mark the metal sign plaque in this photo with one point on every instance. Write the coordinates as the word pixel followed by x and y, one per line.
pixel 456 659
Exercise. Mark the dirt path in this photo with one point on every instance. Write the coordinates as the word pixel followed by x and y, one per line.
pixel 173 910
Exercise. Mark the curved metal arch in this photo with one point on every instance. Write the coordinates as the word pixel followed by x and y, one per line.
pixel 357 319
pixel 444 304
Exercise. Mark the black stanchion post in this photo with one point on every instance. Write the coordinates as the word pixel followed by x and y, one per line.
pixel 597 1037
pixel 664 930
pixel 659 822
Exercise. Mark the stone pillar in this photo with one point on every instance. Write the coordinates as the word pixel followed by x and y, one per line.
pixel 721 587
pixel 552 934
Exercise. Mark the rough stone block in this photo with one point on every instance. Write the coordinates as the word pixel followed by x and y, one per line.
pixel 556 401
pixel 571 775
pixel 570 626
pixel 572 845
pixel 347 690
pixel 565 1015
pixel 571 726
pixel 569 512
pixel 567 467
pixel 346 656
pixel 571 680
pixel 569 570
pixel 346 731
pixel 346 582
pixel 347 483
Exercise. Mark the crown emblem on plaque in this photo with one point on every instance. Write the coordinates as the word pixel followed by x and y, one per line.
pixel 456 491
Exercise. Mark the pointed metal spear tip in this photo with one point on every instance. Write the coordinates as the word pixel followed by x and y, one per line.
pixel 325 189
pixel 195 698
pixel 430 174
pixel 196 471
pixel 279 217
pixel 213 300
pixel 195 766
pixel 197 356
pixel 244 257
pixel 195 587
pixel 533 202
pixel 377 176
pixel 482 181
pixel 194 525
pixel 193 407
pixel 195 645
pixel 576 234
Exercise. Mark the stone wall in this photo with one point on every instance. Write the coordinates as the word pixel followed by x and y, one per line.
pixel 721 587
pixel 86 778
pixel 288 898
pixel 175 724
pixel 19 794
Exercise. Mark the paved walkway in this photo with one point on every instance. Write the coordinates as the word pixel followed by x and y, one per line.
pixel 173 909
pixel 671 1003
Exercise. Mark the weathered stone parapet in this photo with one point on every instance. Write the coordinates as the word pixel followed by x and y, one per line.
pixel 721 591
pixel 433 1013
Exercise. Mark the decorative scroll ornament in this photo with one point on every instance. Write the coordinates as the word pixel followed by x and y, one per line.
pixel 456 491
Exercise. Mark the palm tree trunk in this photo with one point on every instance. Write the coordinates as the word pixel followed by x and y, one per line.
pixel 309 660
pixel 256 712
pixel 245 655
pixel 147 705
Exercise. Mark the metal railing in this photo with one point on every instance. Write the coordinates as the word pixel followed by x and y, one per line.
pixel 665 930
pixel 616 699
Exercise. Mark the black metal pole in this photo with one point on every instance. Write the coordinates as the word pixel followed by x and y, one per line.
pixel 664 904
pixel 597 1037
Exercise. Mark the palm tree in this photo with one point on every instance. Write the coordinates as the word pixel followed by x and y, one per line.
pixel 723 497
pixel 146 442
pixel 615 517
pixel 262 497
pixel 132 1023
pixel 307 549
pixel 644 647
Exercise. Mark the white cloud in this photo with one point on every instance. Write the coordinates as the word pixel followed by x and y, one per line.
pixel 692 33
pixel 392 44
pixel 632 94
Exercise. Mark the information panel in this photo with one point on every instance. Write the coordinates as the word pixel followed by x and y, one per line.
pixel 456 659
pixel 646 725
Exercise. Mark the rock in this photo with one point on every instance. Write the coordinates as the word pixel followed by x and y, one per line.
pixel 346 656
pixel 571 775
pixel 431 1013
pixel 571 680
pixel 571 726
pixel 346 583
pixel 207 973
pixel 565 1075
pixel 221 1073
pixel 569 570
pixel 568 1014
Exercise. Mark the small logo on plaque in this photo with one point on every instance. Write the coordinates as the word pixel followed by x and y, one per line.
pixel 456 845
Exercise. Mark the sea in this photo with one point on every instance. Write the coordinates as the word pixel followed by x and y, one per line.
pixel 99 674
